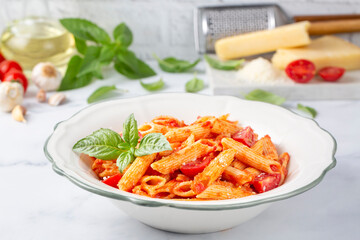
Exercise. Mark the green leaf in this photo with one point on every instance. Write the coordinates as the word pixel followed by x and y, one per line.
pixel 194 85
pixel 307 109
pixel 224 65
pixel 91 63
pixel 124 159
pixel 152 143
pixel 123 35
pixel 85 30
pixel 103 144
pixel 100 93
pixel 130 131
pixel 174 65
pixel 264 96
pixel 80 45
pixel 70 81
pixel 107 54
pixel 153 86
pixel 130 66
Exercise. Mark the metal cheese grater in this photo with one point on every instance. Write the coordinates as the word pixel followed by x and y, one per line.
pixel 214 22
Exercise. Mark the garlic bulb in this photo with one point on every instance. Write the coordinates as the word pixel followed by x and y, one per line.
pixel 11 94
pixel 45 76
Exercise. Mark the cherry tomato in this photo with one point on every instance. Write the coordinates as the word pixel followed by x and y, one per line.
pixel 331 74
pixel 265 182
pixel 113 180
pixel 301 71
pixel 14 75
pixel 245 136
pixel 1 57
pixel 7 65
pixel 191 169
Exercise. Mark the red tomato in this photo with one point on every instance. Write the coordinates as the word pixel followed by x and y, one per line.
pixel 190 169
pixel 7 65
pixel 245 136
pixel 1 57
pixel 113 180
pixel 301 71
pixel 331 74
pixel 14 75
pixel 265 182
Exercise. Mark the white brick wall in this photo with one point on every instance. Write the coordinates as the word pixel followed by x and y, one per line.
pixel 164 27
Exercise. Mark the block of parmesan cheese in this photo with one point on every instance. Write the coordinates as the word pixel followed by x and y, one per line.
pixel 323 52
pixel 292 35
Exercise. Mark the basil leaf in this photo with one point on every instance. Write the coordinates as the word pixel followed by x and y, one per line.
pixel 130 131
pixel 224 65
pixel 153 86
pixel 100 92
pixel 85 30
pixel 127 64
pixel 107 54
pixel 124 159
pixel 307 109
pixel 194 85
pixel 124 146
pixel 174 65
pixel 70 81
pixel 80 45
pixel 123 35
pixel 264 96
pixel 102 144
pixel 91 63
pixel 152 143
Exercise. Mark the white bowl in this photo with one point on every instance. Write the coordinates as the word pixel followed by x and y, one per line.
pixel 311 149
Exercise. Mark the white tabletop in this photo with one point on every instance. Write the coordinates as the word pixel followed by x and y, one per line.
pixel 36 203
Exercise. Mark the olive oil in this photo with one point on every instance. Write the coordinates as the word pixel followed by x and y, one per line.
pixel 35 39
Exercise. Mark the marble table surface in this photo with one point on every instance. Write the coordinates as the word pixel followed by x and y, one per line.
pixel 36 203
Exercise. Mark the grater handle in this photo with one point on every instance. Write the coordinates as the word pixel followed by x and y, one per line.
pixel 315 18
pixel 335 26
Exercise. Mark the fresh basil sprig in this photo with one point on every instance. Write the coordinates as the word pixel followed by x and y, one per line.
pixel 174 65
pixel 194 85
pixel 106 144
pixel 264 96
pixel 308 110
pixel 224 65
pixel 86 66
pixel 155 86
pixel 103 92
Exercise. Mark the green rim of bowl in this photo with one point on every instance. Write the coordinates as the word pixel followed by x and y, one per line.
pixel 151 202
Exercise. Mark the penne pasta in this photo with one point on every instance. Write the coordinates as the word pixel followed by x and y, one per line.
pixel 168 121
pixel 151 183
pixel 250 157
pixel 238 164
pixel 152 128
pixel 135 172
pixel 183 189
pixel 200 130
pixel 173 162
pixel 284 160
pixel 213 170
pixel 225 127
pixel 221 192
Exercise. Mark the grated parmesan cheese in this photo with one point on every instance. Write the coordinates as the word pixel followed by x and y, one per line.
pixel 261 71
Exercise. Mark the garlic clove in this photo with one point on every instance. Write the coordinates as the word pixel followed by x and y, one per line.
pixel 57 99
pixel 45 76
pixel 11 94
pixel 18 113
pixel 41 95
